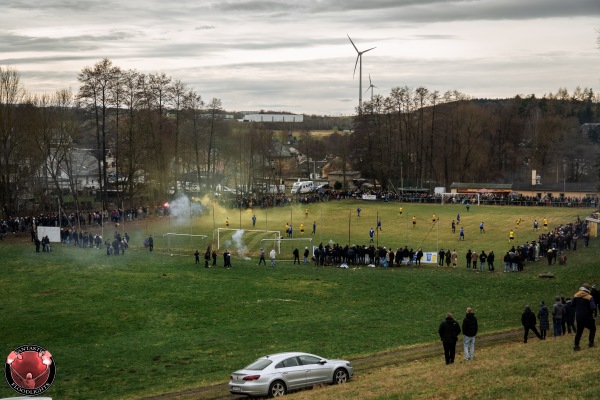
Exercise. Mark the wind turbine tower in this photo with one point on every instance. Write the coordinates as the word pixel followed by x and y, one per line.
pixel 359 61
pixel 371 86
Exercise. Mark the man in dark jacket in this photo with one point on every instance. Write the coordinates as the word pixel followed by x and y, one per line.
pixel 529 321
pixel 449 331
pixel 584 305
pixel 596 296
pixel 469 330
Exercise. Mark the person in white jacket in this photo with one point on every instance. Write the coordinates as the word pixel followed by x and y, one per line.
pixel 272 256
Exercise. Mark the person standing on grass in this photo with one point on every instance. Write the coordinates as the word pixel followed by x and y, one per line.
pixel 453 226
pixel 584 305
pixel 468 258
pixel 454 258
pixel 314 231
pixel 296 256
pixel 474 258
pixel 197 256
pixel 272 257
pixel 469 329
pixel 461 234
pixel 441 255
pixel 214 257
pixel 207 257
pixel 596 296
pixel 414 221
pixel 507 262
pixel 490 260
pixel 481 227
pixel 306 252
pixel 448 258
pixel 558 312
pixel 570 315
pixel 253 221
pixel 482 259
pixel 544 323
pixel 227 259
pixel 151 243
pixel 529 322
pixel 262 257
pixel 449 331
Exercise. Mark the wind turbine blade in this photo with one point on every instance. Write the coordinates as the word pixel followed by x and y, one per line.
pixel 369 88
pixel 355 64
pixel 353 44
pixel 370 83
pixel 367 50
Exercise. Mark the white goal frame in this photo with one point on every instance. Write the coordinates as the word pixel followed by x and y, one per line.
pixel 277 233
pixel 458 194
pixel 169 234
pixel 284 240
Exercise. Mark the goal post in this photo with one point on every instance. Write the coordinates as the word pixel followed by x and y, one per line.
pixel 220 233
pixel 279 241
pixel 175 242
pixel 450 198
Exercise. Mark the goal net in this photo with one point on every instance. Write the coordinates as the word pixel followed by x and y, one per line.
pixel 242 241
pixel 459 198
pixel 184 243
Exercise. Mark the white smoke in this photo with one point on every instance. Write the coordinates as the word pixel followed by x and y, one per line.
pixel 182 210
pixel 237 243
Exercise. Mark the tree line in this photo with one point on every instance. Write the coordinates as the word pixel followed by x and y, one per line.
pixel 422 138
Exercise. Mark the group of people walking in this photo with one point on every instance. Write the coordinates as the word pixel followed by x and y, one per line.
pixel 582 308
pixel 572 315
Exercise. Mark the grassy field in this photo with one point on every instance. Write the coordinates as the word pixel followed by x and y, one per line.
pixel 537 370
pixel 152 323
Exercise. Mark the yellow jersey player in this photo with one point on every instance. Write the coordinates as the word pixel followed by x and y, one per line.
pixel 414 221
pixel 545 224
pixel 511 236
pixel 306 213
pixel 400 212
pixel 302 229
pixel 519 220
pixel 227 222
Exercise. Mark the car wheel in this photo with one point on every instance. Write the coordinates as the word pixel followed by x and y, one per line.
pixel 340 376
pixel 277 389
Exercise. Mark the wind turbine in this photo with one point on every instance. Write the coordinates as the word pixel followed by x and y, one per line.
pixel 371 86
pixel 359 61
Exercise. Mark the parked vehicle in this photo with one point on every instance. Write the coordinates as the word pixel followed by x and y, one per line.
pixel 277 374
pixel 302 187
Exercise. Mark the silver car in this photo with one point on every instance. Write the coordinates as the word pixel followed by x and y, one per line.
pixel 277 374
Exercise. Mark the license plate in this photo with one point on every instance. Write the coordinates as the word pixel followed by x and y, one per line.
pixel 235 388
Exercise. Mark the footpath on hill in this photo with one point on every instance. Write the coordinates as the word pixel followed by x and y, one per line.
pixel 361 365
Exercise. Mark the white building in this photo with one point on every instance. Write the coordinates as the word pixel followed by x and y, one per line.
pixel 273 118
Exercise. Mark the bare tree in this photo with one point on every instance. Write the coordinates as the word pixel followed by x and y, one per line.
pixel 13 137
pixel 94 95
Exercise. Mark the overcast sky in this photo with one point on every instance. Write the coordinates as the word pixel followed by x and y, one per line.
pixel 294 55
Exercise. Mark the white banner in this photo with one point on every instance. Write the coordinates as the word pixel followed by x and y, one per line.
pixel 52 232
pixel 369 197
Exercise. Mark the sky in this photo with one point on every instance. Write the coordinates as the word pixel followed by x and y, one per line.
pixel 295 55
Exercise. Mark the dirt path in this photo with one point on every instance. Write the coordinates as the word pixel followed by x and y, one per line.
pixel 361 365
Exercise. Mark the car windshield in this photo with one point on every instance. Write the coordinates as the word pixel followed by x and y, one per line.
pixel 259 364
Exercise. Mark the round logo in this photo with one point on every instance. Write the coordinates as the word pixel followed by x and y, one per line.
pixel 30 370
